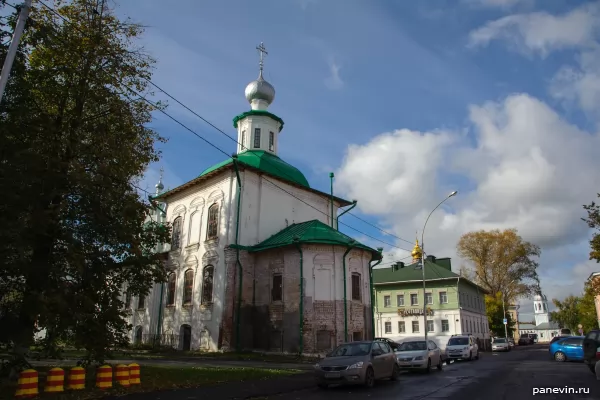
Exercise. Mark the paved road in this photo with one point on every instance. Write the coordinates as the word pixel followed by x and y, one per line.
pixel 506 376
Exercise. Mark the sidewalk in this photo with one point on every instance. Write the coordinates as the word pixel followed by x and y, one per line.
pixel 230 391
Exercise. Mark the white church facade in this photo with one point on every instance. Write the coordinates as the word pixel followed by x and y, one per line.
pixel 256 260
pixel 544 327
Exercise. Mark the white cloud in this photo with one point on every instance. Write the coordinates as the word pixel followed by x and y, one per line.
pixel 541 32
pixel 528 169
pixel 562 286
pixel 580 84
pixel 334 80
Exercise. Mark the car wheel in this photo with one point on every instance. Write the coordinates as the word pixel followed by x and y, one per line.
pixel 370 378
pixel 395 373
pixel 560 356
pixel 323 386
pixel 440 365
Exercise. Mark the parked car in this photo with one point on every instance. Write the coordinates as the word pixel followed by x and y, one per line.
pixel 414 354
pixel 390 342
pixel 525 340
pixel 591 349
pixel 462 347
pixel 557 338
pixel 500 344
pixel 567 349
pixel 360 362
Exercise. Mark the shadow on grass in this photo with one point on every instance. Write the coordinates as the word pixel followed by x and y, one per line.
pixel 154 378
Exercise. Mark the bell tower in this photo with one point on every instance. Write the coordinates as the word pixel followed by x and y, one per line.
pixel 540 309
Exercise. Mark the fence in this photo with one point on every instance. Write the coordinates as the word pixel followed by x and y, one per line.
pixel 162 340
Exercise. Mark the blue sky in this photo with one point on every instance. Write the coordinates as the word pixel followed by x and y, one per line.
pixel 415 98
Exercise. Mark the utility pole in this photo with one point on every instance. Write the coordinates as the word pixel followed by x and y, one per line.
pixel 14 45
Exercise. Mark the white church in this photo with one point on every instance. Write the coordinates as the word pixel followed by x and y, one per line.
pixel 256 260
pixel 544 327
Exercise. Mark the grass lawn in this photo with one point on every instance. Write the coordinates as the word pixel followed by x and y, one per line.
pixel 155 378
pixel 243 356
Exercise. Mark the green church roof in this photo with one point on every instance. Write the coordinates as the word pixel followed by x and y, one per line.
pixel 265 162
pixel 313 231
pixel 250 113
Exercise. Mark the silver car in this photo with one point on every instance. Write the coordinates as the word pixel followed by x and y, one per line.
pixel 415 354
pixel 357 363
pixel 500 344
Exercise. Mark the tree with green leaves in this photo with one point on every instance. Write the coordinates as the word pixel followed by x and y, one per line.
pixel 588 317
pixel 496 314
pixel 502 261
pixel 75 142
pixel 567 312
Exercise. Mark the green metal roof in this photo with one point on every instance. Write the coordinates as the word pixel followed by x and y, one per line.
pixel 433 271
pixel 257 112
pixel 410 273
pixel 265 162
pixel 313 231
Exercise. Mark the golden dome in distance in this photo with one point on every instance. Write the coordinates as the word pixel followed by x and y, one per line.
pixel 417 253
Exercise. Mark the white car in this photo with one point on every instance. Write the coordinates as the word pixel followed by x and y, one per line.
pixel 463 347
pixel 500 344
pixel 414 354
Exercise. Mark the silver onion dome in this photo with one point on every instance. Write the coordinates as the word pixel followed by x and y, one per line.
pixel 260 90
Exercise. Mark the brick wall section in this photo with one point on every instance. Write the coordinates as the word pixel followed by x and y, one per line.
pixel 275 326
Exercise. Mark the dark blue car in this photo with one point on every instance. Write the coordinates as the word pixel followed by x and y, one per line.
pixel 567 349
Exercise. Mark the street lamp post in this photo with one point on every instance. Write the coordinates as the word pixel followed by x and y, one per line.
pixel 423 262
pixel 504 312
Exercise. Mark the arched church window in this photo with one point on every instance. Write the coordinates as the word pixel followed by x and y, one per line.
pixel 257 138
pixel 188 286
pixel 171 289
pixel 271 141
pixel 127 299
pixel 207 284
pixel 176 235
pixel 213 221
pixel 243 140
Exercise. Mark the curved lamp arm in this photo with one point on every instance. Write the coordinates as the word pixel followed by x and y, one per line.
pixel 427 220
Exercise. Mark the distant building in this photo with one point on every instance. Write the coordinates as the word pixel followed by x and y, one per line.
pixel 455 305
pixel 513 311
pixel 543 327
pixel 596 276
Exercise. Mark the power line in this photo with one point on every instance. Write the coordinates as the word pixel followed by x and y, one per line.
pixel 224 152
pixel 268 161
